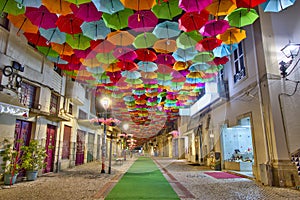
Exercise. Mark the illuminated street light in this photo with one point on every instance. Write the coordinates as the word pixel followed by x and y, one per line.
pixel 105 102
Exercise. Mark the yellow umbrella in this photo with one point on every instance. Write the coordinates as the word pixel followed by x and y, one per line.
pixel 180 65
pixel 140 102
pixel 58 6
pixel 221 7
pixel 165 46
pixel 90 62
pixel 195 74
pixel 62 49
pixel 121 38
pixel 139 4
pixel 112 68
pixel 232 36
pixel 149 75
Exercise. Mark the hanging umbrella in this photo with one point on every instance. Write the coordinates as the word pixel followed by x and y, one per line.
pixel 193 20
pixel 36 39
pixel 165 46
pixel 199 67
pixel 221 7
pixel 86 53
pixel 47 51
pixel 147 66
pixel 164 69
pixel 167 10
pixel 214 27
pixel 144 40
pixel 78 41
pixel 165 59
pixel 193 5
pixel 166 29
pixel 249 3
pixel 146 55
pixel 127 65
pixel 11 7
pixel 121 38
pixel 106 58
pixel 102 46
pixel 95 70
pixel 142 21
pixel 108 6
pixel 179 65
pixel 87 12
pixel 91 62
pixel 185 54
pixel 41 17
pixel 134 81
pixel 219 61
pixel 62 49
pixel 224 50
pixel 95 30
pixel 29 3
pixel 23 23
pixel 208 44
pixel 232 35
pixel 53 35
pixel 276 5
pixel 113 67
pixel 57 60
pixel 118 20
pixel 131 74
pixel 149 75
pixel 125 53
pixel 188 39
pixel 203 57
pixel 242 17
pixel 58 6
pixel 69 24
pixel 73 59
pixel 138 4
pixel 78 2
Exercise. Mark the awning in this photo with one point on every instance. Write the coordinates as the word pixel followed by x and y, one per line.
pixel 10 105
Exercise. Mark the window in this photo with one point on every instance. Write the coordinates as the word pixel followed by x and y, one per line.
pixel 4 21
pixel 57 70
pixel 239 64
pixel 28 94
pixel 82 114
pixel 54 103
pixel 70 110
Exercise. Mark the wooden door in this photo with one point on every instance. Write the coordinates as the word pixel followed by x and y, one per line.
pixel 80 147
pixel 50 148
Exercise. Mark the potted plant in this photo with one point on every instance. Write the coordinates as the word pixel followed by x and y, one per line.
pixel 10 165
pixel 33 159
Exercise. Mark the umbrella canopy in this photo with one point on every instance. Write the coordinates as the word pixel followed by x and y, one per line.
pixel 276 5
pixel 127 65
pixel 118 20
pixel 193 5
pixel 165 59
pixel 53 35
pixel 102 46
pixel 131 74
pixel 47 51
pixel 144 40
pixel 193 20
pixel 106 58
pixel 199 67
pixel 78 2
pixel 36 39
pixel 69 24
pixel 139 4
pixel 146 66
pixel 29 3
pixel 185 54
pixel 11 7
pixel 142 21
pixel 41 17
pixel 179 65
pixel 23 23
pixel 87 12
pixel 78 41
pixel 167 9
pixel 249 3
pixel 166 29
pixel 232 35
pixel 146 55
pixel 95 30
pixel 208 44
pixel 121 38
pixel 224 50
pixel 242 17
pixel 108 6
pixel 125 53
pixel 203 57
pixel 188 39
pixel 221 7
pixel 165 46
pixel 214 27
pixel 58 6
pixel 62 49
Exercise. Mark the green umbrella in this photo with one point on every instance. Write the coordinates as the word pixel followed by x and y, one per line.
pixel 167 10
pixel 118 20
pixel 134 81
pixel 144 40
pixel 242 17
pixel 188 39
pixel 164 77
pixel 78 41
pixel 203 57
pixel 214 69
pixel 78 2
pixel 11 7
pixel 106 58
pixel 47 51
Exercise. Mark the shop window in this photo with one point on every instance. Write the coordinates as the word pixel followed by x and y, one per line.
pixel 82 114
pixel 28 95
pixel 239 63
pixel 4 21
pixel 54 103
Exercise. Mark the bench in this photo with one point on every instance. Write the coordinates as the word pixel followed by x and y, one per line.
pixel 119 160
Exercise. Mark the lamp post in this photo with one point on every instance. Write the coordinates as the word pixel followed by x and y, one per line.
pixel 110 153
pixel 125 127
pixel 105 103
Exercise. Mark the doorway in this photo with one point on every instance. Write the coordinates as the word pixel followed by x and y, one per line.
pixel 50 148
pixel 80 142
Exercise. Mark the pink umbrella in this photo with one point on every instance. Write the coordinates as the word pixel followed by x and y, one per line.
pixel 125 53
pixel 214 27
pixel 41 17
pixel 87 12
pixel 102 46
pixel 166 59
pixel 193 5
pixel 87 53
pixel 142 21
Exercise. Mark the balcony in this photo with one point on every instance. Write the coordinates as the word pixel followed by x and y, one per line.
pixel 75 92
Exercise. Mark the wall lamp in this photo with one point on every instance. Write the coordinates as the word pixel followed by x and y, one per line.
pixel 291 50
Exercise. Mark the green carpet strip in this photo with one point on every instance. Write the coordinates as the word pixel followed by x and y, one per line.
pixel 143 180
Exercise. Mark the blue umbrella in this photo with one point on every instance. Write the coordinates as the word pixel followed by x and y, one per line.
pixel 53 35
pixel 224 50
pixel 108 6
pixel 57 60
pixel 276 5
pixel 95 30
pixel 131 74
pixel 166 29
pixel 147 66
pixel 95 70
pixel 29 3
pixel 197 67
pixel 185 54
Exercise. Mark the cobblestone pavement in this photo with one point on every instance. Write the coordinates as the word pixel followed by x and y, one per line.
pixel 190 182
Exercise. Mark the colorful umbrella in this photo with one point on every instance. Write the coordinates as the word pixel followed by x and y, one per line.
pixel 57 60
pixel 47 51
pixel 78 2
pixel 165 46
pixel 214 27
pixel 62 49
pixel 242 17
pixel 41 17
pixel 165 59
pixel 118 20
pixel 121 38
pixel 113 67
pixel 95 30
pixel 106 58
pixel 203 57
pixel 180 65
pixel 146 66
pixel 108 6
pixel 166 29
pixel 29 3
pixel 193 5
pixel 208 44
pixel 142 21
pixel 58 6
pixel 185 54
pixel 139 4
pixel 125 53
pixel 53 35
pixel 102 46
pixel 249 3
pixel 276 5
pixel 193 20
pixel 91 62
pixel 87 12
pixel 224 50
pixel 188 39
pixel 36 39
pixel 144 40
pixel 78 41
pixel 86 53
pixel 146 55
pixel 69 24
pixel 131 74
pixel 232 35
pixel 11 7
pixel 23 23
pixel 127 65
pixel 167 9
pixel 199 67
pixel 221 7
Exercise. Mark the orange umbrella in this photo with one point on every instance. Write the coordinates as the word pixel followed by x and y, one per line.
pixel 90 62
pixel 180 65
pixel 221 7
pixel 62 49
pixel 121 38
pixel 165 46
pixel 232 36
pixel 23 23
pixel 139 4
pixel 112 68
pixel 149 75
pixel 195 75
pixel 58 6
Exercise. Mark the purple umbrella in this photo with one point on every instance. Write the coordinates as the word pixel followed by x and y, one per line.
pixel 87 12
pixel 142 21
pixel 41 17
pixel 214 27
pixel 165 59
pixel 125 53
pixel 193 5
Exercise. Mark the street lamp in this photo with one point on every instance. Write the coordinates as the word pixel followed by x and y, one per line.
pixel 105 102
pixel 125 127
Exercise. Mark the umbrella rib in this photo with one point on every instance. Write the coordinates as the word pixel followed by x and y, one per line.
pixel 21 26
pixel 51 35
pixel 4 6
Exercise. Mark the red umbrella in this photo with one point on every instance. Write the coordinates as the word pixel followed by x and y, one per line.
pixel 71 59
pixel 165 59
pixel 127 65
pixel 164 69
pixel 214 27
pixel 219 61
pixel 102 46
pixel 36 39
pixel 87 53
pixel 146 55
pixel 87 12
pixel 125 53
pixel 193 20
pixel 69 24
pixel 114 76
pixel 249 3
pixel 193 5
pixel 142 21
pixel 41 17
pixel 208 44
